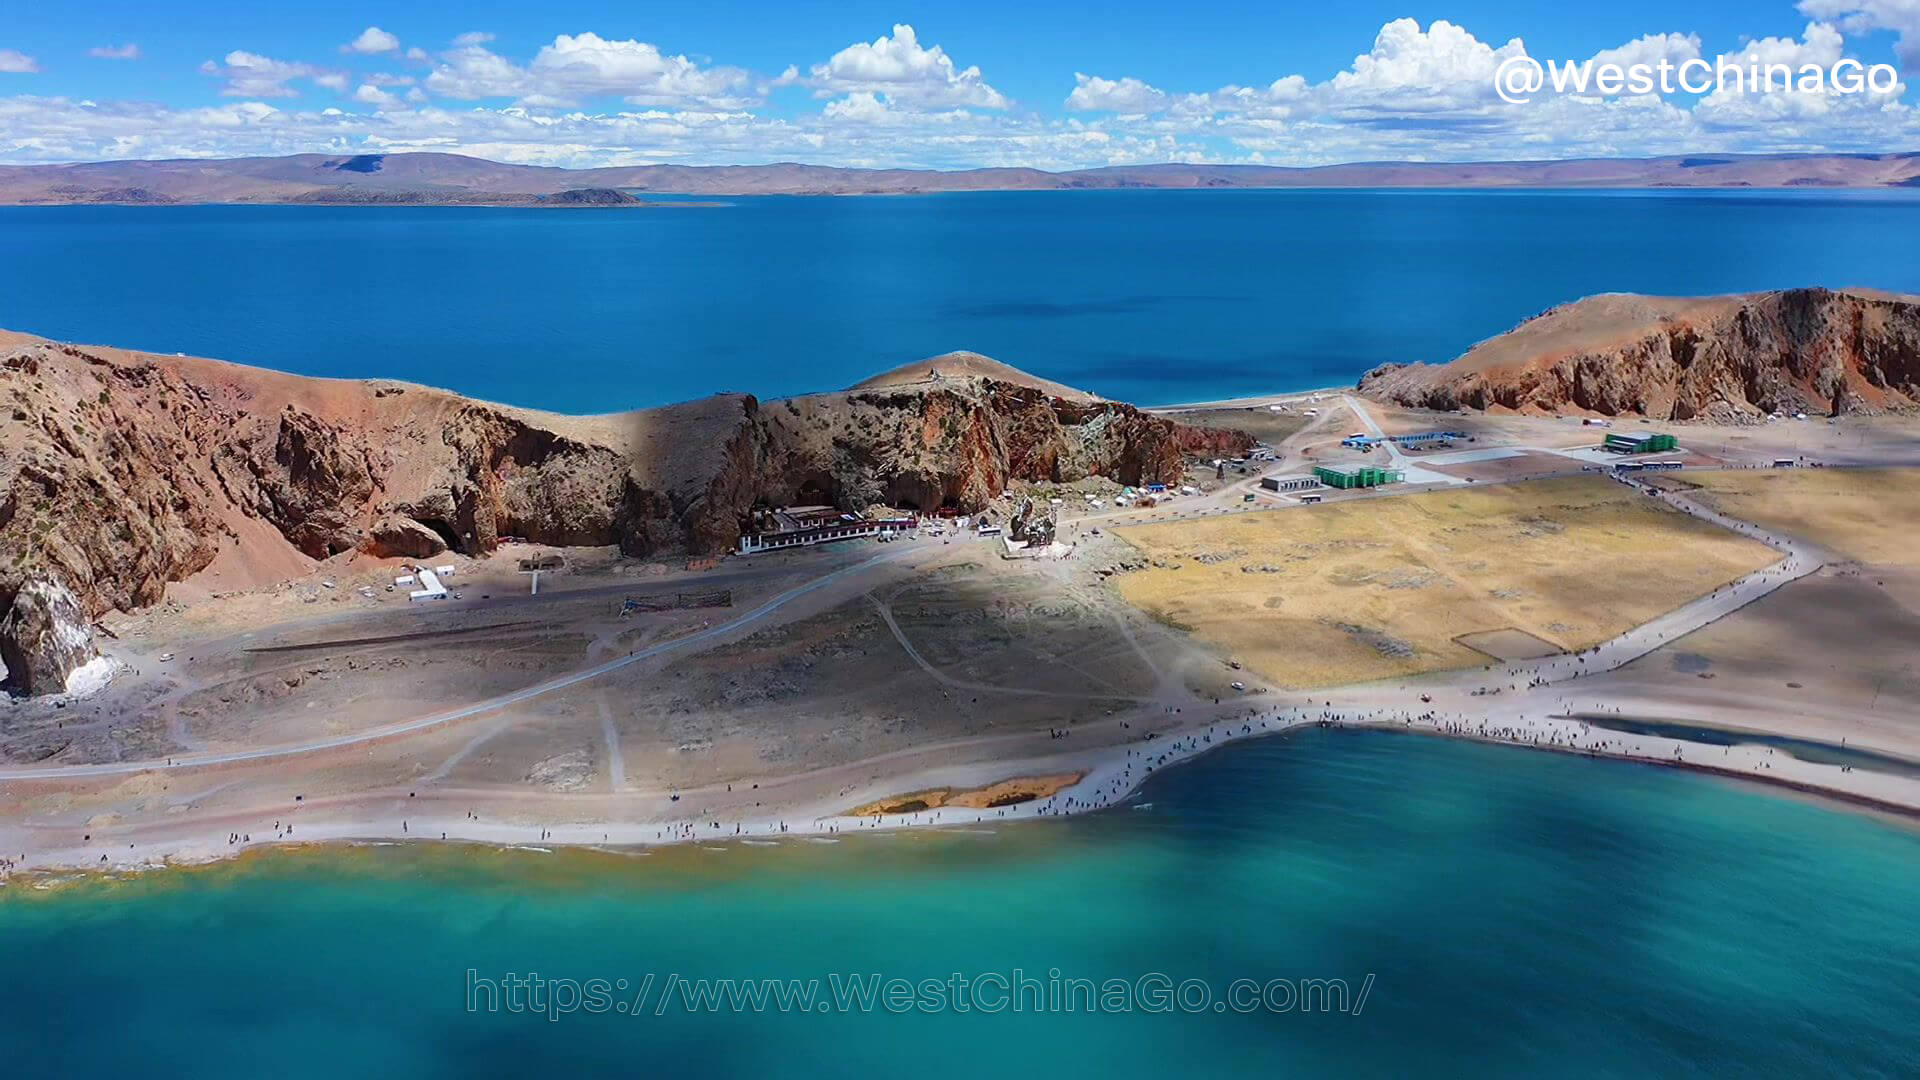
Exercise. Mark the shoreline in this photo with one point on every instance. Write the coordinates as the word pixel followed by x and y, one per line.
pixel 1251 402
pixel 1665 186
pixel 1111 776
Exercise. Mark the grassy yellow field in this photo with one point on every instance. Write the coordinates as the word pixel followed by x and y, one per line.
pixel 1374 588
pixel 1869 515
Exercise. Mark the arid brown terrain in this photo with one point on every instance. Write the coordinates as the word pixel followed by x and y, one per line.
pixel 1723 358
pixel 121 472
pixel 455 178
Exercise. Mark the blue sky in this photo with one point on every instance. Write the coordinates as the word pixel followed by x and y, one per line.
pixel 988 82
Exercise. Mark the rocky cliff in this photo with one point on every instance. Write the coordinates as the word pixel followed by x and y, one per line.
pixel 959 440
pixel 1816 351
pixel 121 472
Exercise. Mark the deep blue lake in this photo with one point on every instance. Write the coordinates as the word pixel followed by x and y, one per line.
pixel 1148 296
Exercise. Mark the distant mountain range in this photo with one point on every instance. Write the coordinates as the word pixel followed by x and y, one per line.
pixel 457 179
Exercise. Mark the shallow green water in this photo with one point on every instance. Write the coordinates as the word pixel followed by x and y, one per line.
pixel 1521 914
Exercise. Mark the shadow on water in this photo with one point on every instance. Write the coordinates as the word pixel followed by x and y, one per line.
pixel 1808 750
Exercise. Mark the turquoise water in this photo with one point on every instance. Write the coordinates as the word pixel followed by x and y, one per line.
pixel 1148 296
pixel 1521 914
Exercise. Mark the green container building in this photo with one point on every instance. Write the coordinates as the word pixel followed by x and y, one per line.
pixel 1365 476
pixel 1651 443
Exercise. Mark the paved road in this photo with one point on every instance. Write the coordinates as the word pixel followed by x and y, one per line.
pixel 1368 425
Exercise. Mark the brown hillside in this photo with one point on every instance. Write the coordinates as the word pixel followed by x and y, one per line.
pixel 1719 358
pixel 121 472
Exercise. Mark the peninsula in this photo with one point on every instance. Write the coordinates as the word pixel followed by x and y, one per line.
pixel 240 608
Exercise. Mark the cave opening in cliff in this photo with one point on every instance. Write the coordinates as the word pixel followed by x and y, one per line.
pixel 444 530
pixel 815 491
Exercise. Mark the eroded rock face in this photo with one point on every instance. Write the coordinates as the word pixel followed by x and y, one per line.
pixel 396 537
pixel 959 445
pixel 314 484
pixel 121 472
pixel 44 637
pixel 1800 350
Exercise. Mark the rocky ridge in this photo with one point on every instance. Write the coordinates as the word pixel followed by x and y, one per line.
pixel 122 472
pixel 1729 358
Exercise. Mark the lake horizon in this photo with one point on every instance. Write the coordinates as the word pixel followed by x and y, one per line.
pixel 1153 297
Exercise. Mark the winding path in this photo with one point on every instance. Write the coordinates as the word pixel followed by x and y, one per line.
pixel 408 727
pixel 886 615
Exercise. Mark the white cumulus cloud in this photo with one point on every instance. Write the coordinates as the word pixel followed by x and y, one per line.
pixel 1419 92
pixel 14 62
pixel 252 75
pixel 576 67
pixel 129 51
pixel 899 67
pixel 1901 17
pixel 370 94
pixel 1651 50
pixel 1419 70
pixel 1091 93
pixel 371 42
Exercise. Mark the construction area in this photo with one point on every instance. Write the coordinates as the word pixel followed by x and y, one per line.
pixel 1385 587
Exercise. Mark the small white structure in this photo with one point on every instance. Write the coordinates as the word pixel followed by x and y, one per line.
pixel 444 571
pixel 403 579
pixel 430 587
